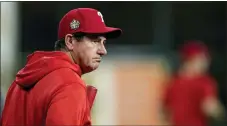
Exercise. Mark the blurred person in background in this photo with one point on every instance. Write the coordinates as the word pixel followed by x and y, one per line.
pixel 49 89
pixel 191 97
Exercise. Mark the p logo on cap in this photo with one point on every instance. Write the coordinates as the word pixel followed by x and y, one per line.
pixel 100 14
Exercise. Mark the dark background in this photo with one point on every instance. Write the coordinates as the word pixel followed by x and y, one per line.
pixel 160 26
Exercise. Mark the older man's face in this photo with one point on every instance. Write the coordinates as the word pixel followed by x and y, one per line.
pixel 89 51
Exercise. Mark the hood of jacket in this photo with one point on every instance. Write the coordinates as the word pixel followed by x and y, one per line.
pixel 41 63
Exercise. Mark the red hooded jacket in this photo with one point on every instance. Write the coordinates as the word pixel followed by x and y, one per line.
pixel 48 91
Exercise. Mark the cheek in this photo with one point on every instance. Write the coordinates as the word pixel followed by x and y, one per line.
pixel 87 54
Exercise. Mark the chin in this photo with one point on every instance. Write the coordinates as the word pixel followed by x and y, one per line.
pixel 90 69
pixel 95 67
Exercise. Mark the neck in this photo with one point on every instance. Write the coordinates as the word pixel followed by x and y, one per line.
pixel 68 53
pixel 74 60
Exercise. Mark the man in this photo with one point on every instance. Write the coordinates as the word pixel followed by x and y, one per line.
pixel 49 89
pixel 191 96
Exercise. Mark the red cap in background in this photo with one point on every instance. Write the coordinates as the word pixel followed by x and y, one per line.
pixel 192 48
pixel 86 20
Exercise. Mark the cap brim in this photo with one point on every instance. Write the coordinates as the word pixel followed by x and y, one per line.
pixel 112 32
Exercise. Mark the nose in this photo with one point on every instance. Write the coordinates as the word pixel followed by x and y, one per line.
pixel 102 50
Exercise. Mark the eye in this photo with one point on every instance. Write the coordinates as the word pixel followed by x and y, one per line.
pixel 96 41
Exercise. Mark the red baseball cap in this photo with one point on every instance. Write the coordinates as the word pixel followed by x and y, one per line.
pixel 86 20
pixel 192 48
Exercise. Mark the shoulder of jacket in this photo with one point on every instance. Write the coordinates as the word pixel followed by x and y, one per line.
pixel 63 77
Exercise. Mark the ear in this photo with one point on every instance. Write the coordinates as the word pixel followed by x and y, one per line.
pixel 69 42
